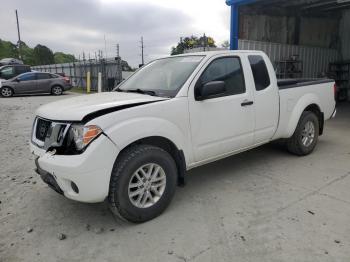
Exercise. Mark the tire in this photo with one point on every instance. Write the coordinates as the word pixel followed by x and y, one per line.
pixel 123 200
pixel 6 91
pixel 305 136
pixel 57 90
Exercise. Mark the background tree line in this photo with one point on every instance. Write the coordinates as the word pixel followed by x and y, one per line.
pixel 39 55
pixel 190 42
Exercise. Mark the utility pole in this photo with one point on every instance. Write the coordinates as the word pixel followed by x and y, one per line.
pixel 105 47
pixel 19 37
pixel 117 49
pixel 142 56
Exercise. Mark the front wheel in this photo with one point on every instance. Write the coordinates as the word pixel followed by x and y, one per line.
pixel 6 91
pixel 305 137
pixel 142 184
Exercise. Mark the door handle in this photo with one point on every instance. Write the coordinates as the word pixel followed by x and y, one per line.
pixel 247 103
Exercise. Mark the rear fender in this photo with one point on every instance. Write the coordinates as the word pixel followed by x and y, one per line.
pixel 298 109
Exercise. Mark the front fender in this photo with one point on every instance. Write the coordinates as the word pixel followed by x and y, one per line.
pixel 129 131
pixel 298 109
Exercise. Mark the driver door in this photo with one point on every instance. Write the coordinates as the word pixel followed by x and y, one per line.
pixel 26 83
pixel 224 124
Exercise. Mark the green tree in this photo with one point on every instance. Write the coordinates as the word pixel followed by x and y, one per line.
pixel 27 54
pixel 7 50
pixel 43 55
pixel 60 58
pixel 190 42
pixel 225 44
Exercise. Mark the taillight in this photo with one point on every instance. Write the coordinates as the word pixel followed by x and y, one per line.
pixel 335 90
pixel 66 79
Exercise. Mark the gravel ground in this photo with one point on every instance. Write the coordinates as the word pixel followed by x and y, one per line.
pixel 262 205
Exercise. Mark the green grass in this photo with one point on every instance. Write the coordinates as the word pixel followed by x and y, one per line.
pixel 80 90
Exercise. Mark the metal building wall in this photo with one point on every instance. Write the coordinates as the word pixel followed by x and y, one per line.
pixel 345 35
pixel 315 59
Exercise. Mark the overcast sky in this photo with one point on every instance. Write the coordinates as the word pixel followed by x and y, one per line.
pixel 74 26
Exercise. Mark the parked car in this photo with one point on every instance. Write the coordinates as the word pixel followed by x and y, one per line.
pixel 10 71
pixel 35 82
pixel 134 145
pixel 10 61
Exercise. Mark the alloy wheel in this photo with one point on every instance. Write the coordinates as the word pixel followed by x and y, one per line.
pixel 308 134
pixel 147 185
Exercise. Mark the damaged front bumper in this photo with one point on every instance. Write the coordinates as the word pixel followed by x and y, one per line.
pixel 84 177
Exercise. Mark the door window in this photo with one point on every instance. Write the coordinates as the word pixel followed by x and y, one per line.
pixel 229 70
pixel 260 73
pixel 7 72
pixel 27 77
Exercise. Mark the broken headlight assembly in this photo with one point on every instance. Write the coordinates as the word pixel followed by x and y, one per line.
pixel 81 136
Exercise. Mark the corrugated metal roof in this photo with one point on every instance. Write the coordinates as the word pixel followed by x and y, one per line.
pixel 303 6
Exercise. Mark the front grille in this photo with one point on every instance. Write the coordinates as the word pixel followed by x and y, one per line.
pixel 42 128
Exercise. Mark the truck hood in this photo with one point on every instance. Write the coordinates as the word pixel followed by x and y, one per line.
pixel 82 107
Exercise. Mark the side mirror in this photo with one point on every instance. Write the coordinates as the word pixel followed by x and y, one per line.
pixel 17 80
pixel 209 90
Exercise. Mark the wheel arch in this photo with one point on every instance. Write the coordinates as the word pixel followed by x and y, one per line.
pixel 310 103
pixel 13 90
pixel 314 108
pixel 167 145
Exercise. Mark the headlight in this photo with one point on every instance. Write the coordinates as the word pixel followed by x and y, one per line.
pixel 83 135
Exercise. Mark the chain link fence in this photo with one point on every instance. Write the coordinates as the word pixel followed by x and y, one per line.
pixel 110 69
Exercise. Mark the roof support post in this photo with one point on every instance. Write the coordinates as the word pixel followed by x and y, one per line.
pixel 234 31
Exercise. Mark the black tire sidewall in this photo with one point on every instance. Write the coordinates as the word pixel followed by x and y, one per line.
pixel 52 92
pixel 307 116
pixel 121 197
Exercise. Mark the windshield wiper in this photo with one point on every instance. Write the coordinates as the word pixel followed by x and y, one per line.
pixel 140 91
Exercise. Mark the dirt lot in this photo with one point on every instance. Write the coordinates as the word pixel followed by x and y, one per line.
pixel 262 205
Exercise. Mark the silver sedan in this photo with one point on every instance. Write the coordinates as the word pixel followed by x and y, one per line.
pixel 35 82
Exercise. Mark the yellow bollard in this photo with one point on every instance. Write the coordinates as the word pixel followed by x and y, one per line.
pixel 88 82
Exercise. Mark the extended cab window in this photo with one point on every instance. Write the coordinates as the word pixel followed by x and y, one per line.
pixel 229 70
pixel 260 73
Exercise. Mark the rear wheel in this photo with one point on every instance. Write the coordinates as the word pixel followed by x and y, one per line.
pixel 142 184
pixel 6 91
pixel 57 90
pixel 305 137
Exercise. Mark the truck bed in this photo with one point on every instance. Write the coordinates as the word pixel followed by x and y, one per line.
pixel 291 83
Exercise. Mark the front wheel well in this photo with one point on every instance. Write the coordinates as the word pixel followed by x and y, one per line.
pixel 316 110
pixel 13 91
pixel 169 147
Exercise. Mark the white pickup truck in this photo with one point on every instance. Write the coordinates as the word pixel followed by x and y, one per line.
pixel 134 145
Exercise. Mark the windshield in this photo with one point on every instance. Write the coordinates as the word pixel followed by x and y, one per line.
pixel 163 77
